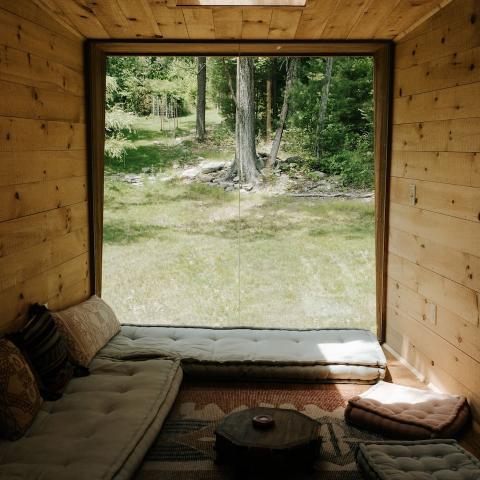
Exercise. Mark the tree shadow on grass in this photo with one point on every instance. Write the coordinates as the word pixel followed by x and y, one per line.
pixel 122 233
pixel 157 157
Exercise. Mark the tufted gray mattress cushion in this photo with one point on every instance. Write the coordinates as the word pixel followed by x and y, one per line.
pixel 418 460
pixel 97 430
pixel 328 355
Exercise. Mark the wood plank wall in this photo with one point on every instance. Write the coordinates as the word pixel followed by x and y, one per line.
pixel 43 164
pixel 434 245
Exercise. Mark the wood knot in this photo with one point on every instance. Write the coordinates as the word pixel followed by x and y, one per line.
pixel 17 195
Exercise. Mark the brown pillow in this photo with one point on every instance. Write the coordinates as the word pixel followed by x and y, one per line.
pixel 87 327
pixel 20 398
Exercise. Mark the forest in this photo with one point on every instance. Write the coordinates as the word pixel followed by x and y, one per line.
pixel 317 110
pixel 239 191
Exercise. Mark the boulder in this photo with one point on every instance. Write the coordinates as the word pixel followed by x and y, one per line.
pixel 202 177
pixel 210 167
pixel 190 173
pixel 295 159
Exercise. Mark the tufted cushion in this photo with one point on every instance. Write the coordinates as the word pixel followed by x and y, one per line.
pixel 93 432
pixel 87 327
pixel 328 355
pixel 420 460
pixel 409 413
pixel 20 399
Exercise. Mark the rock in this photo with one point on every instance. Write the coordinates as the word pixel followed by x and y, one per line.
pixel 295 159
pixel 319 174
pixel 200 159
pixel 236 179
pixel 210 167
pixel 157 142
pixel 230 188
pixel 190 173
pixel 247 187
pixel 202 177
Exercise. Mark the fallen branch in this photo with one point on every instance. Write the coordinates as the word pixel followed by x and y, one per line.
pixel 333 195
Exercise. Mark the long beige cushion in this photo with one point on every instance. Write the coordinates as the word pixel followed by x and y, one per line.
pixel 409 413
pixel 97 429
pixel 86 327
pixel 328 355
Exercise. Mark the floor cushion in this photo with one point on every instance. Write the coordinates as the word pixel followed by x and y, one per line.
pixel 417 460
pixel 325 355
pixel 408 413
pixel 101 427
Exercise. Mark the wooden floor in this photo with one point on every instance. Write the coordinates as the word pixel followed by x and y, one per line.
pixel 400 374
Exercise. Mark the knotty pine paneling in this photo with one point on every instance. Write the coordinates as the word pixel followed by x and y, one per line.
pixel 43 164
pixel 434 239
pixel 319 19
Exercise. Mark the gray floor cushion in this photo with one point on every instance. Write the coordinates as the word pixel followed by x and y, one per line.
pixel 417 460
pixel 408 413
pixel 328 355
pixel 102 426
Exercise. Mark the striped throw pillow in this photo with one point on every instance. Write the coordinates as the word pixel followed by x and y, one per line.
pixel 46 351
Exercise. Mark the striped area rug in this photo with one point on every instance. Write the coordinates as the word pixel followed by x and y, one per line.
pixel 184 448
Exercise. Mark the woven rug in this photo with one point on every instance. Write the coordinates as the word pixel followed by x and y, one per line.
pixel 184 448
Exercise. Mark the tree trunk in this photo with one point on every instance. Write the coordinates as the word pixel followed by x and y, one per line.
pixel 292 66
pixel 268 119
pixel 245 151
pixel 201 94
pixel 322 113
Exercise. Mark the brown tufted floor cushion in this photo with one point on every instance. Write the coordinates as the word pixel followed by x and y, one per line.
pixel 408 413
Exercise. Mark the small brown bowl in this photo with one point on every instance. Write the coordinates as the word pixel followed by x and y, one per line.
pixel 263 421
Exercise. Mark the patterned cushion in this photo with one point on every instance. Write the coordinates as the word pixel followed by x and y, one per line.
pixel 45 350
pixel 87 327
pixel 19 396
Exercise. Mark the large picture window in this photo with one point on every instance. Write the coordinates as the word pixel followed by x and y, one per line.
pixel 240 190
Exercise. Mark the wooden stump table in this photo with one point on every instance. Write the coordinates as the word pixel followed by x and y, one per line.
pixel 292 442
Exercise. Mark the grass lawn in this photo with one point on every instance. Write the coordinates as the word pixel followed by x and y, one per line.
pixel 193 254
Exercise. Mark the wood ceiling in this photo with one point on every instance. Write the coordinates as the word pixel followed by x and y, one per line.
pixel 319 19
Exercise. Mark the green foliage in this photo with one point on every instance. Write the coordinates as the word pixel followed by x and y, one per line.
pixel 118 124
pixel 346 141
pixel 131 82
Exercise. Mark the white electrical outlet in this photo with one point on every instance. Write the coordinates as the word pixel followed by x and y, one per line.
pixel 412 193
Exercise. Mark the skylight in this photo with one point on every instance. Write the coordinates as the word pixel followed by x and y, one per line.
pixel 241 3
